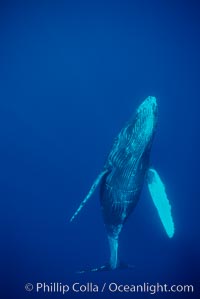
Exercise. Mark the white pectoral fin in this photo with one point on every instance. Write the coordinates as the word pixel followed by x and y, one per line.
pixel 91 191
pixel 160 200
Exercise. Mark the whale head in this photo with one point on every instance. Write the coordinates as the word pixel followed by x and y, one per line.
pixel 148 108
pixel 146 118
pixel 136 136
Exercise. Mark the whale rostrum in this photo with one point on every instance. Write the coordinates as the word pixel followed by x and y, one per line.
pixel 126 169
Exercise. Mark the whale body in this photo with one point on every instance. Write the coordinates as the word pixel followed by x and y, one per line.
pixel 126 169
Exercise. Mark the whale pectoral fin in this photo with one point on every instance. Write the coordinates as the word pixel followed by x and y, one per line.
pixel 160 200
pixel 91 191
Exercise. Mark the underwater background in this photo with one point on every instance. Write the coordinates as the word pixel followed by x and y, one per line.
pixel 71 74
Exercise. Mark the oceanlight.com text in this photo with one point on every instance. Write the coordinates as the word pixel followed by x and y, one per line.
pixel 111 287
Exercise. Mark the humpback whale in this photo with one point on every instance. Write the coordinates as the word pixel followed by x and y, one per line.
pixel 126 168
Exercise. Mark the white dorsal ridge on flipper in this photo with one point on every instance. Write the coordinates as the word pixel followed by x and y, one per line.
pixel 91 191
pixel 160 200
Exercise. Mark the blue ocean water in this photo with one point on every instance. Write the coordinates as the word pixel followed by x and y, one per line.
pixel 71 74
